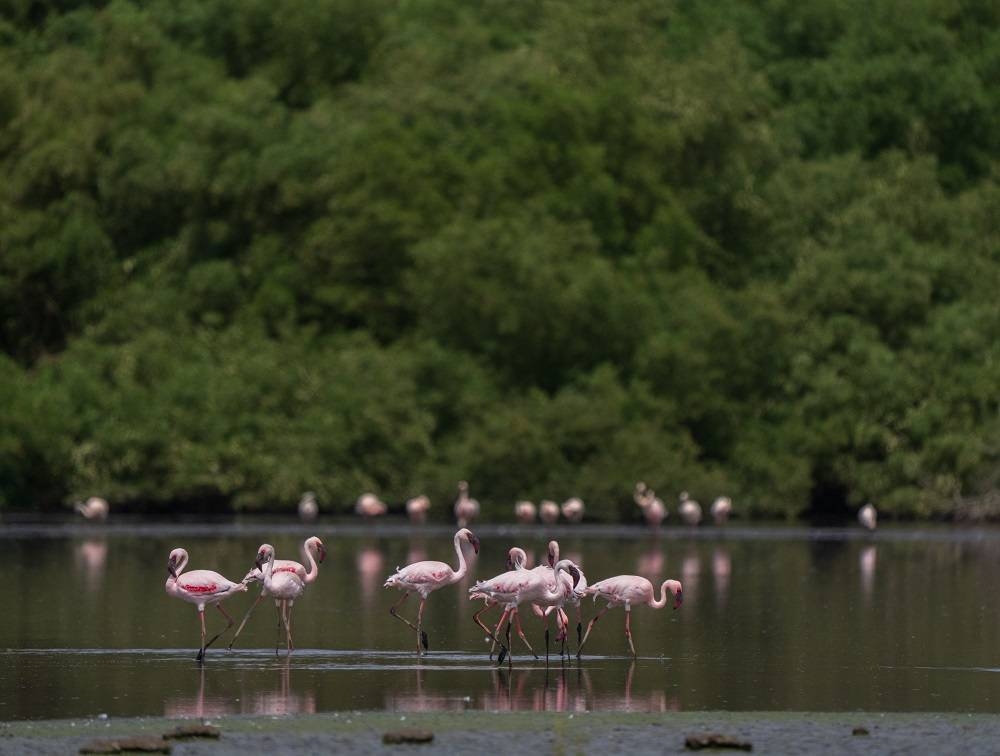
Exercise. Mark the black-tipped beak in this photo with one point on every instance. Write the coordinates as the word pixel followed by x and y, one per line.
pixel 575 573
pixel 171 570
pixel 475 543
pixel 678 599
pixel 259 562
pixel 321 553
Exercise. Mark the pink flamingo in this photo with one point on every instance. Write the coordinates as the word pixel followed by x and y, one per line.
pixel 466 508
pixel 548 512
pixel 517 560
pixel 653 508
pixel 572 509
pixel 308 507
pixel 285 586
pixel 416 508
pixel 200 587
pixel 426 577
pixel 868 517
pixel 525 512
pixel 689 509
pixel 313 552
pixel 369 505
pixel 571 592
pixel 95 508
pixel 722 507
pixel 627 590
pixel 517 587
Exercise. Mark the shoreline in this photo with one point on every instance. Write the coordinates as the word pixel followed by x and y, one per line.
pixel 564 732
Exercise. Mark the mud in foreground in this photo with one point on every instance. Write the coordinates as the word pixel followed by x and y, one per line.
pixel 466 732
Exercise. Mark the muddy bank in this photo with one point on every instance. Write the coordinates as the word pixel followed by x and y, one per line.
pixel 466 732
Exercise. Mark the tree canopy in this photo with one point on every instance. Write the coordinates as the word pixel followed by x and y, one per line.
pixel 249 249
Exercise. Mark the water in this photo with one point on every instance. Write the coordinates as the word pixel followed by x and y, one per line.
pixel 773 619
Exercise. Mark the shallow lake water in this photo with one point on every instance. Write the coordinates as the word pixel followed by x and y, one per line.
pixel 775 619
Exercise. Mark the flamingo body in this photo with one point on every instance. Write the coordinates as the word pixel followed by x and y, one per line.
pixel 370 505
pixel 868 517
pixel 525 512
pixel 572 509
pixel 689 510
pixel 548 512
pixel 308 507
pixel 417 507
pixel 94 508
pixel 466 508
pixel 626 590
pixel 722 507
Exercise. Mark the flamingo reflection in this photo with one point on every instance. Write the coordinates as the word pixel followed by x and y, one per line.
pixel 370 564
pixel 199 707
pixel 721 569
pixel 866 562
pixel 283 701
pixel 90 557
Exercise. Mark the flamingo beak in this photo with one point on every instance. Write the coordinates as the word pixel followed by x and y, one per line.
pixel 575 574
pixel 321 553
pixel 678 599
pixel 259 562
pixel 475 543
pixel 171 569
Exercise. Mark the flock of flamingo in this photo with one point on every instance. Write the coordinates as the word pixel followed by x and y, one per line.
pixel 548 589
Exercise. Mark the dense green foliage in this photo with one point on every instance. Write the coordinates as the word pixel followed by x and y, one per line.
pixel 249 248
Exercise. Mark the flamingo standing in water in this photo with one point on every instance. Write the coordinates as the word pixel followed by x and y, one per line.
pixel 652 506
pixel 572 509
pixel 722 507
pixel 466 508
pixel 520 586
pixel 416 508
pixel 285 586
pixel 689 509
pixel 868 517
pixel 627 590
pixel 200 587
pixel 313 552
pixel 369 505
pixel 548 512
pixel 308 507
pixel 571 592
pixel 426 577
pixel 525 512
pixel 517 560
pixel 95 508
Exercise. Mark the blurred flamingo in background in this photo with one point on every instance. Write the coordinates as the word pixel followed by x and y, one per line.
pixel 627 590
pixel 466 508
pixel 868 517
pixel 416 508
pixel 308 507
pixel 313 552
pixel 722 507
pixel 525 512
pixel 426 577
pixel 369 505
pixel 94 508
pixel 548 512
pixel 200 587
pixel 653 509
pixel 572 509
pixel 689 510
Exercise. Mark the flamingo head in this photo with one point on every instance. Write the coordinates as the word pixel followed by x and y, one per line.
pixel 264 555
pixel 553 555
pixel 516 558
pixel 176 561
pixel 572 569
pixel 317 547
pixel 467 535
pixel 676 591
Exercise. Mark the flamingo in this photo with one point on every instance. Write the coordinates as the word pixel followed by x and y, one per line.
pixel 313 552
pixel 285 586
pixel 516 560
pixel 95 508
pixel 426 577
pixel 689 509
pixel 525 512
pixel 308 507
pixel 868 517
pixel 548 512
pixel 200 587
pixel 627 590
pixel 416 508
pixel 519 586
pixel 466 508
pixel 570 595
pixel 722 507
pixel 652 506
pixel 572 509
pixel 369 505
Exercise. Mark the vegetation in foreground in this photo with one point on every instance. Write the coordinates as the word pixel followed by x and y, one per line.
pixel 250 249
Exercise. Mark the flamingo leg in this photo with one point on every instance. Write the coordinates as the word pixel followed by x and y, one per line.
pixel 496 632
pixel 286 607
pixel 628 630
pixel 229 623
pixel 397 615
pixel 590 626
pixel 421 635
pixel 201 651
pixel 245 618
pixel 563 621
pixel 517 620
pixel 492 635
pixel 278 603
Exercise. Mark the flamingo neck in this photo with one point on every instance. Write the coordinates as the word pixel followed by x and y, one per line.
pixel 662 602
pixel 463 568
pixel 267 571
pixel 313 572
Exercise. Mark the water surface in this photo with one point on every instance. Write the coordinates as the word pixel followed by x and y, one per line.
pixel 773 619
